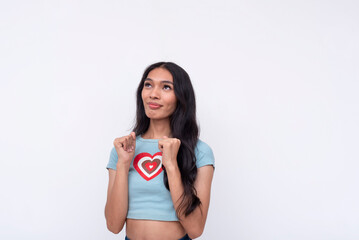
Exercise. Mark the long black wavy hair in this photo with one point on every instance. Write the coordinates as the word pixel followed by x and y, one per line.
pixel 183 125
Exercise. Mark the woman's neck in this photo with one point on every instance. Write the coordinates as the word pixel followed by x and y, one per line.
pixel 158 129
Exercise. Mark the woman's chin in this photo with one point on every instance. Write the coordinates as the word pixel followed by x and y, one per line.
pixel 156 117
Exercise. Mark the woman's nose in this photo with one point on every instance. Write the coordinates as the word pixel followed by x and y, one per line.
pixel 155 93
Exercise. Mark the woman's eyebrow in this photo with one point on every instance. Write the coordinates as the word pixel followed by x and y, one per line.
pixel 163 81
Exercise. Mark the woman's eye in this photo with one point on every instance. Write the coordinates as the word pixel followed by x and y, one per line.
pixel 167 87
pixel 147 84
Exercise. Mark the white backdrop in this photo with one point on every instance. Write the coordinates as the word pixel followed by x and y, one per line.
pixel 277 93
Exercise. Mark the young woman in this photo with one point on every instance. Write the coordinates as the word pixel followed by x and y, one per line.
pixel 160 175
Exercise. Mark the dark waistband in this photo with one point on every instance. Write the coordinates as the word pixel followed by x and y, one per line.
pixel 186 237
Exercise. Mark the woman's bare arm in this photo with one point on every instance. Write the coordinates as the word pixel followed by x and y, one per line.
pixel 117 193
pixel 195 222
pixel 117 199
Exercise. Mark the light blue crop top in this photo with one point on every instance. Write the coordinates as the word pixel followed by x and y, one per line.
pixel 148 198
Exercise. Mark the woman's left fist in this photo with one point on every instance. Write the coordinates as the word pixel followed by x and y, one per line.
pixel 169 148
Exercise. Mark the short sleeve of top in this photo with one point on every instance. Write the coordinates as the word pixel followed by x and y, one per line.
pixel 113 159
pixel 204 154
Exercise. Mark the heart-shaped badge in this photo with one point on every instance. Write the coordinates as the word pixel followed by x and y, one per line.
pixel 147 165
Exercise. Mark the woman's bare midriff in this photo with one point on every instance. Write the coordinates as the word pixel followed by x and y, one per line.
pixel 137 229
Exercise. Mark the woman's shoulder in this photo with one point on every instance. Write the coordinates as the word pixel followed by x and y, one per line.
pixel 204 154
pixel 203 146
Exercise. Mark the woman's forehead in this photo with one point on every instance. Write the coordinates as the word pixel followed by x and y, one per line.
pixel 160 74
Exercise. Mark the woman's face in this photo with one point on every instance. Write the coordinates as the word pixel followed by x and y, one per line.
pixel 158 95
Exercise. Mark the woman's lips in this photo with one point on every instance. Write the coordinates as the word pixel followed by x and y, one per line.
pixel 154 105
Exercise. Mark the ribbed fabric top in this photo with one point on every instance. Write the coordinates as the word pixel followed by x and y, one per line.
pixel 148 196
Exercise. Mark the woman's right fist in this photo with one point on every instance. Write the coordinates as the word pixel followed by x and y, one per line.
pixel 125 148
